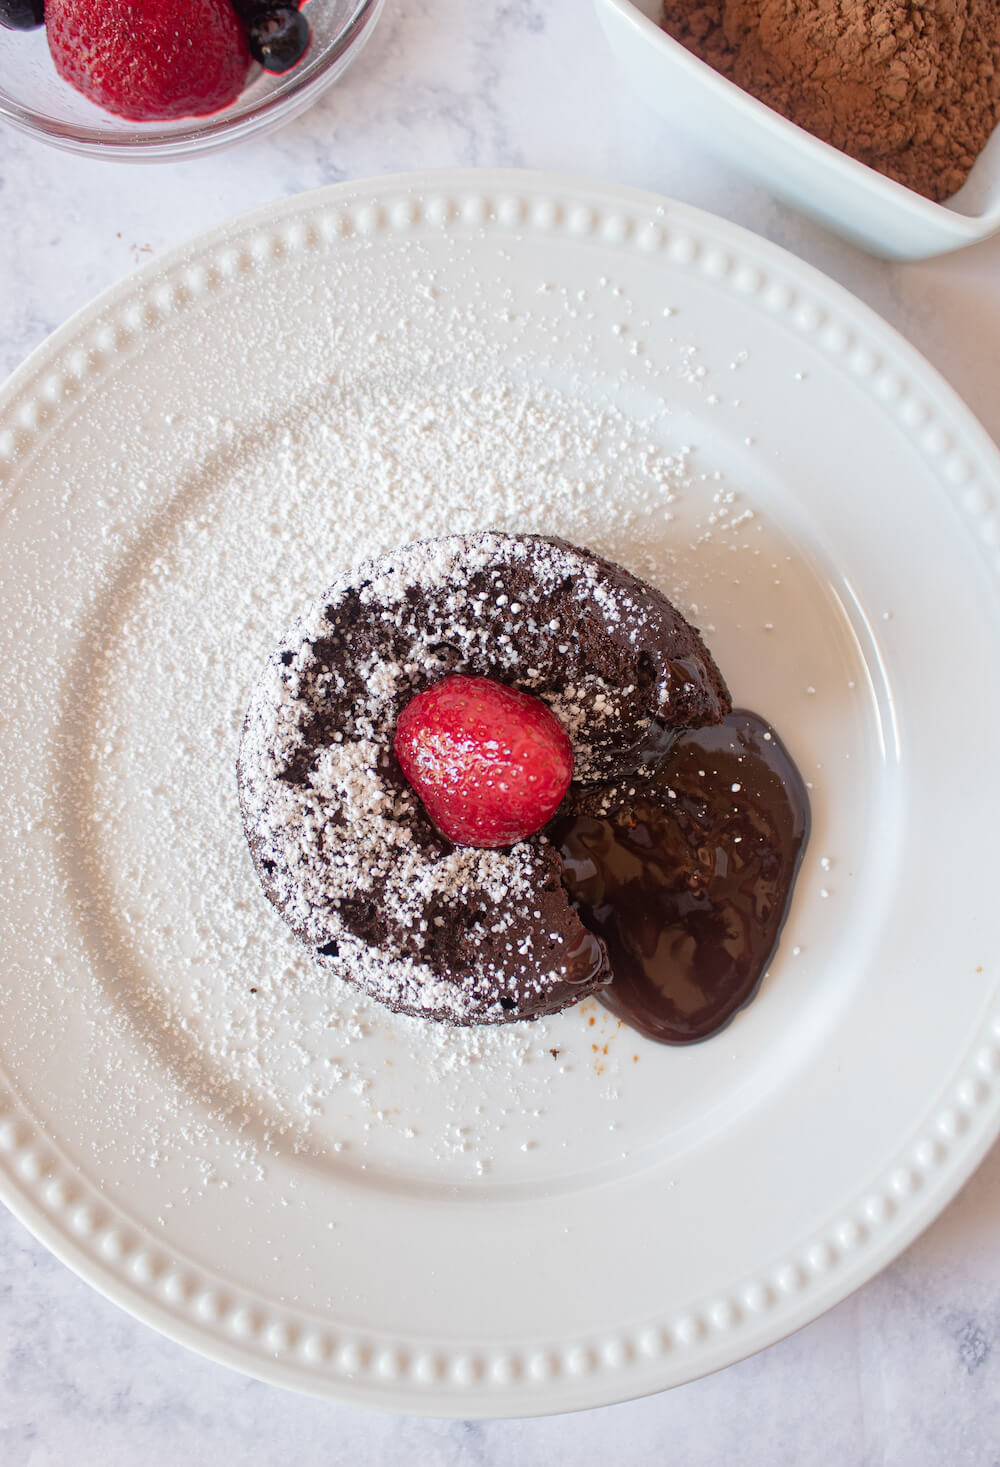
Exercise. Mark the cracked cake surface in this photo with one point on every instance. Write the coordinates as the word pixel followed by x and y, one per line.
pixel 342 844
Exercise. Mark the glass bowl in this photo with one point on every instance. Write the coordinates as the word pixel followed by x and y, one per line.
pixel 36 100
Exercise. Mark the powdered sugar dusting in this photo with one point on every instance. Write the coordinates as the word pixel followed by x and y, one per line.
pixel 340 840
pixel 217 974
pixel 250 517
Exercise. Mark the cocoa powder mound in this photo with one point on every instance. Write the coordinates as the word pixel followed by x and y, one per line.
pixel 910 87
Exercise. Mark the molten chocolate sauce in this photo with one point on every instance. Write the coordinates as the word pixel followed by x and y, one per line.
pixel 689 883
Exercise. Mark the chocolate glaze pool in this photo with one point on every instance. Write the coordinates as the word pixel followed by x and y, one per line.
pixel 689 883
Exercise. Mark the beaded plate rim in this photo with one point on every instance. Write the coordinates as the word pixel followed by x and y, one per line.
pixel 99 1240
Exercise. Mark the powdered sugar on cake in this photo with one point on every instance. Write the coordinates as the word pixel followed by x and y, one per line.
pixel 340 841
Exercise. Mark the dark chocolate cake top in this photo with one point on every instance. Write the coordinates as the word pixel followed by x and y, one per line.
pixel 341 843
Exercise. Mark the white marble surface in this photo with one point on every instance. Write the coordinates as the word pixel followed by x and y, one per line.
pixel 906 1373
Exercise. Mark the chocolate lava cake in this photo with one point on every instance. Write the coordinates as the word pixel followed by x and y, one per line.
pixel 342 844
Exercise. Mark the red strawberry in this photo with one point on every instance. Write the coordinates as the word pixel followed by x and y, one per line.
pixel 491 764
pixel 150 59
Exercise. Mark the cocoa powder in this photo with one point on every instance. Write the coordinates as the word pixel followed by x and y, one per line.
pixel 910 87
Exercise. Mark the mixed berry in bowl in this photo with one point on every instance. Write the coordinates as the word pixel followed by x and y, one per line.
pixel 152 60
pixel 156 80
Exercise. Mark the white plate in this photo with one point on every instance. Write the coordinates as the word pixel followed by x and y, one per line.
pixel 451 1222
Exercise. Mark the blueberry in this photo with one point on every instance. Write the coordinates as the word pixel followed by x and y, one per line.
pixel 278 37
pixel 249 10
pixel 21 15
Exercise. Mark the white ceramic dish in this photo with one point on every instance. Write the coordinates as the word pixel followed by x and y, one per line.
pixel 552 1216
pixel 857 202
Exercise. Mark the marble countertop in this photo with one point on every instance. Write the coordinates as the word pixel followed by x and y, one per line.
pixel 906 1372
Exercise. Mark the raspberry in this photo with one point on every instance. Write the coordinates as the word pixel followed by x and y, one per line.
pixel 491 764
pixel 150 60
